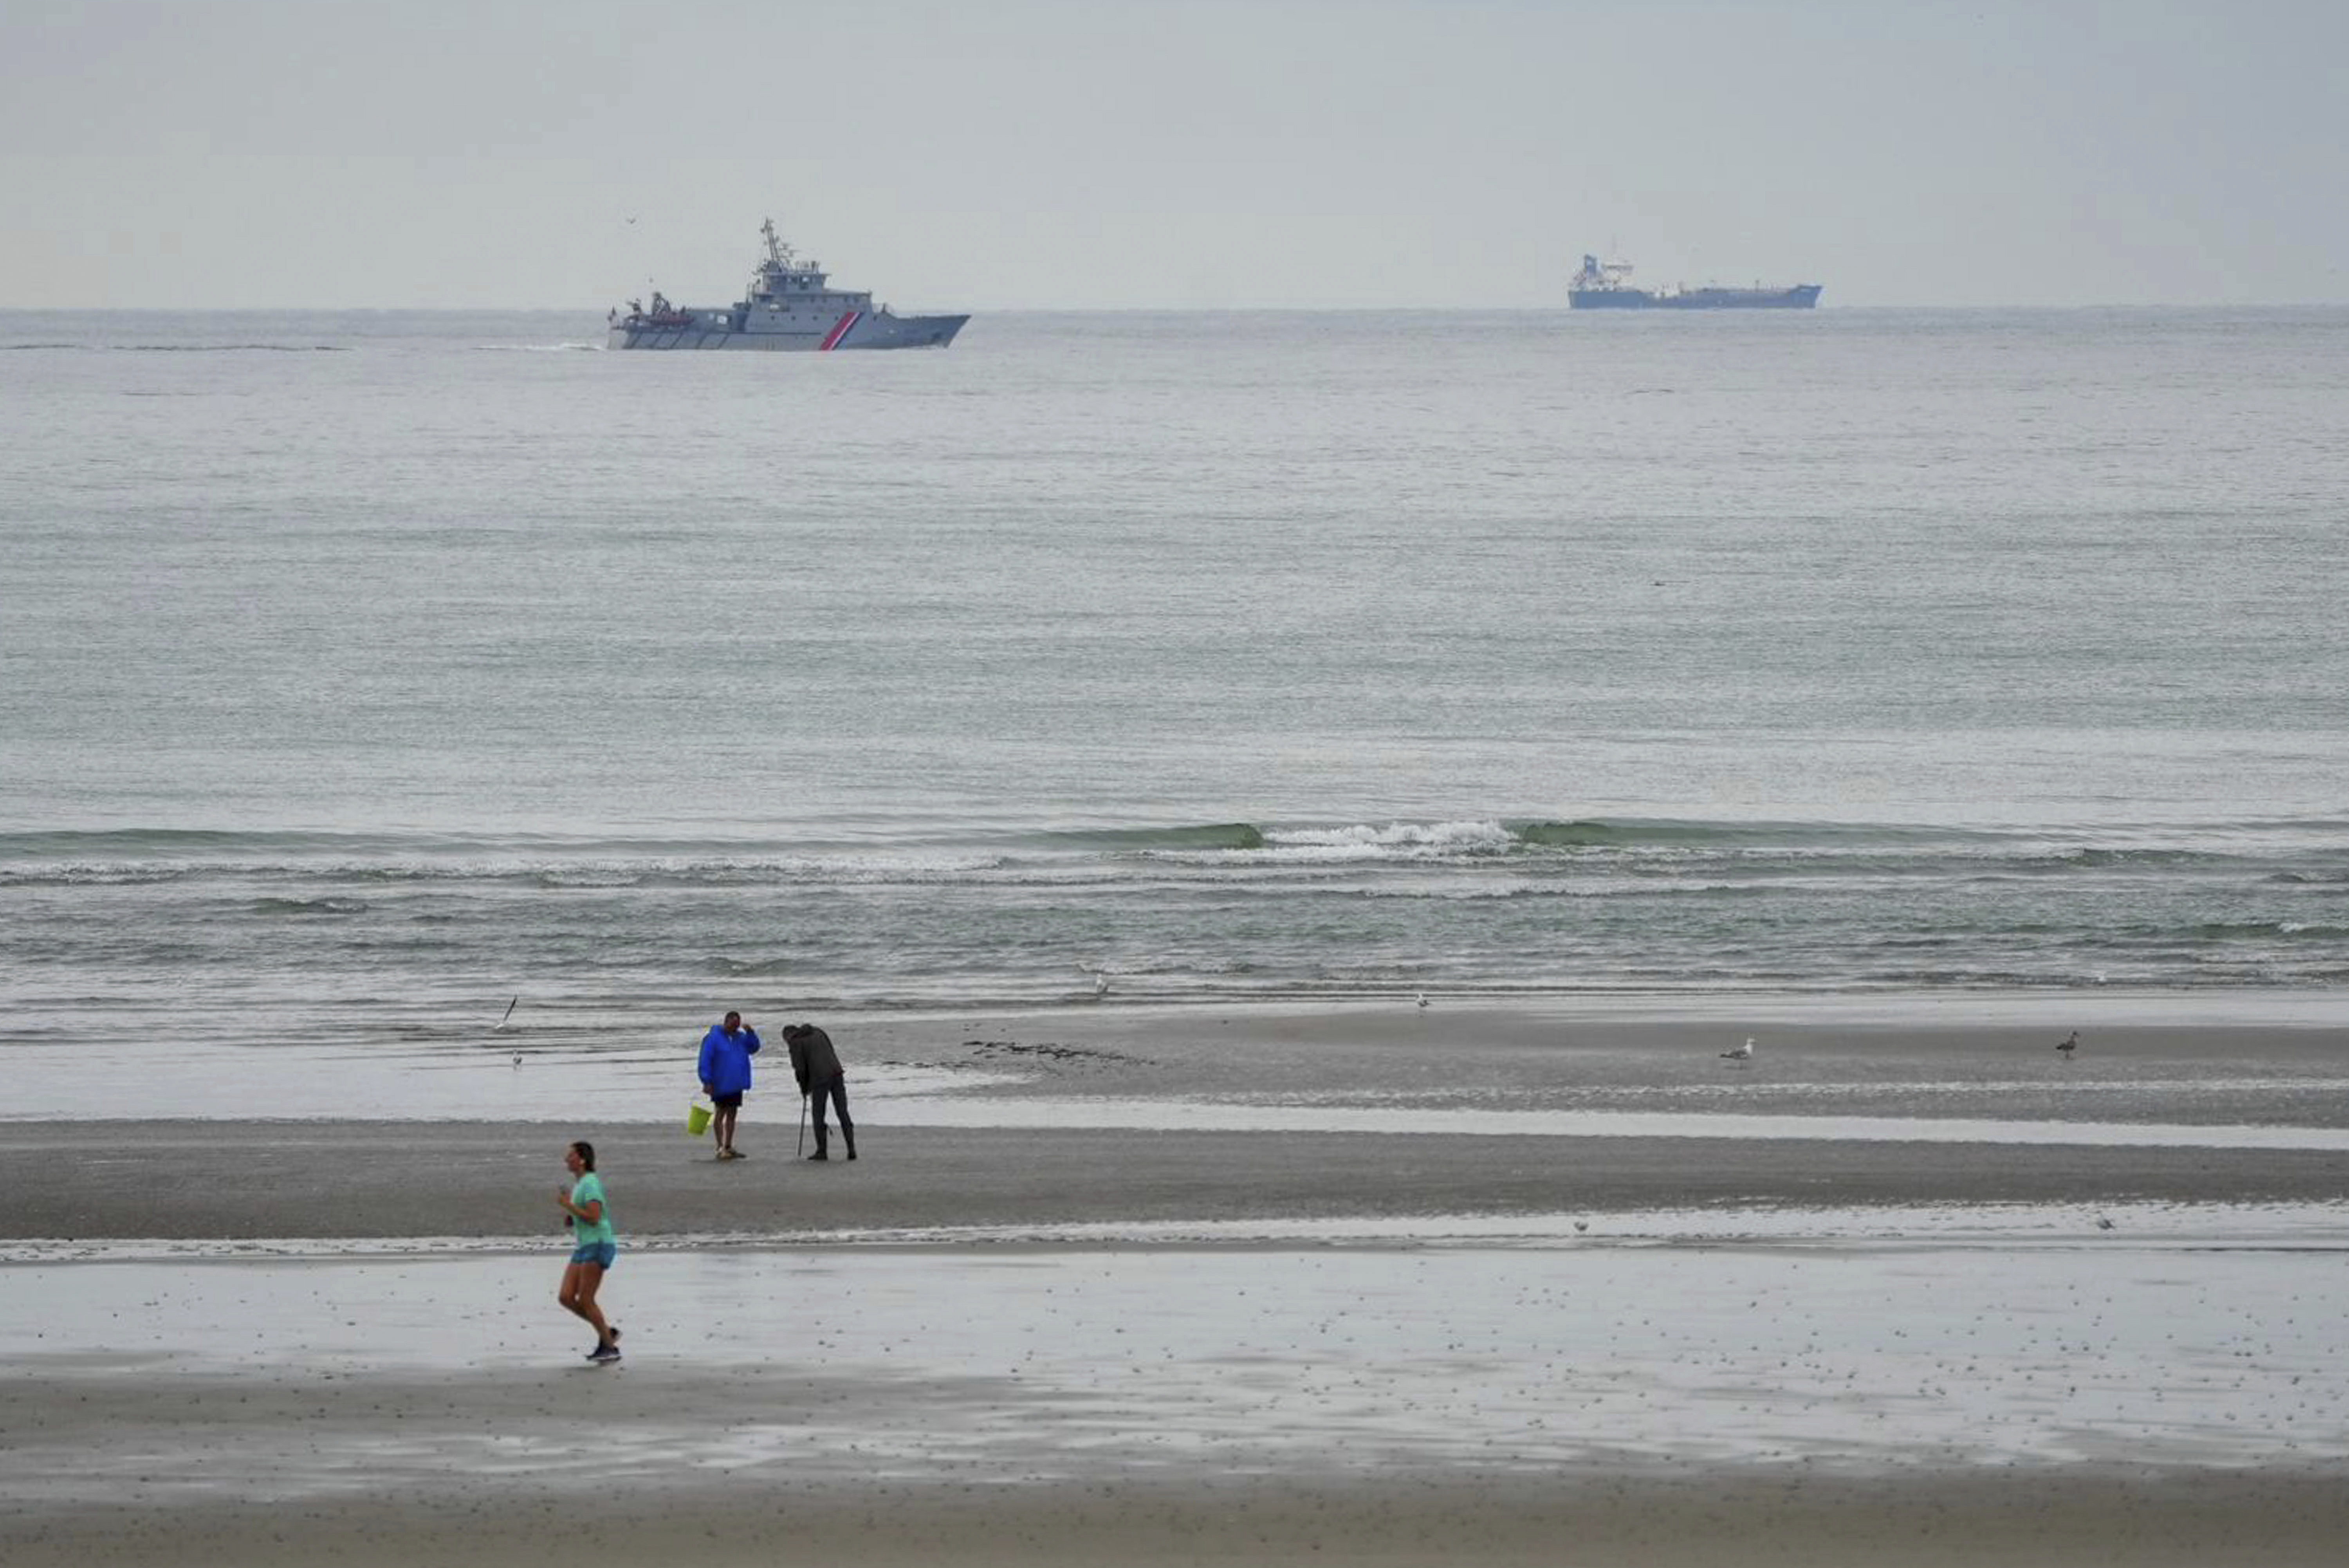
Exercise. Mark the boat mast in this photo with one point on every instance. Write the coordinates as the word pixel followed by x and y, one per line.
pixel 778 253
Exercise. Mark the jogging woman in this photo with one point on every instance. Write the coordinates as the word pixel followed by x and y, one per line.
pixel 592 1247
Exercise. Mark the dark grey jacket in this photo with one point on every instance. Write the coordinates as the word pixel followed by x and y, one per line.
pixel 813 1060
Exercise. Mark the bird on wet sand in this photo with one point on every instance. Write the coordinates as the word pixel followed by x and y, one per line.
pixel 1741 1054
pixel 2069 1043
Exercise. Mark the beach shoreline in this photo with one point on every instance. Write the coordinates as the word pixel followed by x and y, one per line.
pixel 1998 1318
pixel 1102 1115
pixel 2148 1057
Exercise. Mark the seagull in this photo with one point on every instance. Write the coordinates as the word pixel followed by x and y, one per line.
pixel 517 1059
pixel 1742 1054
pixel 2104 1222
pixel 1101 986
pixel 500 1023
pixel 2069 1043
pixel 1583 1224
pixel 1420 998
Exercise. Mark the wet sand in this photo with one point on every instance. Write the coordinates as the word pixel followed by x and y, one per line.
pixel 1106 1115
pixel 255 1180
pixel 218 1347
pixel 1935 1520
pixel 2089 1397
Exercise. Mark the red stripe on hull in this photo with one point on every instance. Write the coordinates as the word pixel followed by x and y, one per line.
pixel 839 330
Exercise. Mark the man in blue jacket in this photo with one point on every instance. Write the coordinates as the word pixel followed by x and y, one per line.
pixel 726 1053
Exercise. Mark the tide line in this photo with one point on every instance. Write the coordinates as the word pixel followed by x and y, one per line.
pixel 1183 1115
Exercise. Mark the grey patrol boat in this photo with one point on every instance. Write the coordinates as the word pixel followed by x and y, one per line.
pixel 789 307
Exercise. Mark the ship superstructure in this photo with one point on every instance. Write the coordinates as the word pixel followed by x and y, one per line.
pixel 789 305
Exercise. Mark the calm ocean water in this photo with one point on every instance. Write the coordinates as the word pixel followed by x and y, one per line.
pixel 360 671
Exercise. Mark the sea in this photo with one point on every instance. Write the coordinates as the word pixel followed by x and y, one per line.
pixel 364 675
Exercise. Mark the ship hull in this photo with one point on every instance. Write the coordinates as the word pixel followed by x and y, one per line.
pixel 1802 296
pixel 717 329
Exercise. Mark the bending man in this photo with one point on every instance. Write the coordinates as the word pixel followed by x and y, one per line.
pixel 817 1067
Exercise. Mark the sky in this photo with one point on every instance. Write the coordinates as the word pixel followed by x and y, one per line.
pixel 1170 154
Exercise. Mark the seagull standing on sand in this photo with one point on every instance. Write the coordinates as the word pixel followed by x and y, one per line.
pixel 1101 986
pixel 2069 1043
pixel 1420 998
pixel 1742 1054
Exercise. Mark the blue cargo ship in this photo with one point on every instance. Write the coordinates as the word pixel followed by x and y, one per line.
pixel 1605 285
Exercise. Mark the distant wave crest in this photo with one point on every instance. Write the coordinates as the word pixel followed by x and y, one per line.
pixel 308 906
pixel 538 347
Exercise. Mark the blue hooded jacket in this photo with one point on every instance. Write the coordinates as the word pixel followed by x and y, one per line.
pixel 726 1059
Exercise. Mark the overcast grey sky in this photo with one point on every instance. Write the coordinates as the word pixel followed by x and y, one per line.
pixel 996 154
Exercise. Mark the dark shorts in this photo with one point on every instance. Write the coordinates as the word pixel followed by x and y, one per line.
pixel 726 1102
pixel 599 1253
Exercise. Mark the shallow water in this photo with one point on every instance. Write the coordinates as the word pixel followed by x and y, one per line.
pixel 1034 1364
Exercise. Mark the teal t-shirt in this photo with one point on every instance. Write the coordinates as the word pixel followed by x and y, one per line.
pixel 589 1188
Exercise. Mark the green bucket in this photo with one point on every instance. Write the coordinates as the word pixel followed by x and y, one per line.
pixel 697 1117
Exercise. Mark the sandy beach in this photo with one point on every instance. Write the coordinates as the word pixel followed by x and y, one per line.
pixel 1197 1291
